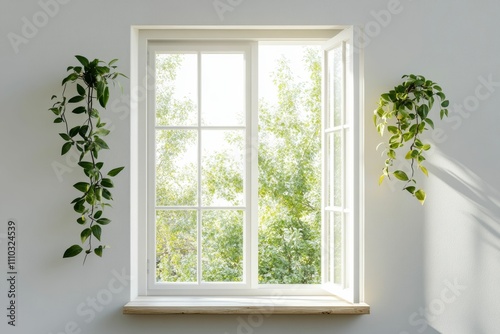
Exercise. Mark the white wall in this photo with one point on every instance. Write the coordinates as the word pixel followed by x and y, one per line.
pixel 413 253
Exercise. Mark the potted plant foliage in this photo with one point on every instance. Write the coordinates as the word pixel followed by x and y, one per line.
pixel 88 86
pixel 404 114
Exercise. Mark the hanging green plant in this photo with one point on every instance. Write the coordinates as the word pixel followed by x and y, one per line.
pixel 403 112
pixel 89 85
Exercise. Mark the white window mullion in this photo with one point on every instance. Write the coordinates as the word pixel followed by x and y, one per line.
pixel 151 168
pixel 199 211
pixel 253 166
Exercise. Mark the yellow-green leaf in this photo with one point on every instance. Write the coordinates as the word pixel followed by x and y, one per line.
pixel 400 175
pixel 424 170
pixel 381 179
pixel 420 195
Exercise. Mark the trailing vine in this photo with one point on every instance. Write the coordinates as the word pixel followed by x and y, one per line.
pixel 90 83
pixel 404 113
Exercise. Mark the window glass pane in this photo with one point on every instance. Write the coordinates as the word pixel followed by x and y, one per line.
pixel 338 165
pixel 176 246
pixel 335 87
pixel 338 247
pixel 176 89
pixel 222 167
pixel 289 162
pixel 176 167
pixel 223 89
pixel 335 244
pixel 222 245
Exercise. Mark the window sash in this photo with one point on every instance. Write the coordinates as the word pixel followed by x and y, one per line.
pixel 197 48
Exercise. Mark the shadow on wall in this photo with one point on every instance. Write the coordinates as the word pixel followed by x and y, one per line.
pixel 462 247
pixel 480 194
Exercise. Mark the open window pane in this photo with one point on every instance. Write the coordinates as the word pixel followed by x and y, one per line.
pixel 176 246
pixel 222 245
pixel 176 89
pixel 289 164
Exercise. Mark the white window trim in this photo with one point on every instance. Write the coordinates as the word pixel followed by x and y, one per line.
pixel 139 293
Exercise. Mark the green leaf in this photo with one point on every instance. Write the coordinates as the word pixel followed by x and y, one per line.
pixel 98 251
pixel 90 197
pixel 79 110
pixel 445 103
pixel 56 111
pixel 84 61
pixel 385 97
pixel 58 120
pixel 65 136
pixel 79 207
pixel 85 234
pixel 81 220
pixel 107 194
pixel 392 129
pixel 76 99
pixel 96 231
pixel 107 183
pixel 72 251
pixel 83 131
pixel 112 62
pixel 410 189
pixel 103 221
pixel 400 175
pixel 86 165
pixel 98 214
pixel 430 122
pixel 74 131
pixel 66 147
pixel 81 90
pixel 101 143
pixel 82 186
pixel 71 77
pixel 381 179
pixel 408 135
pixel 102 132
pixel 103 100
pixel 420 195
pixel 115 171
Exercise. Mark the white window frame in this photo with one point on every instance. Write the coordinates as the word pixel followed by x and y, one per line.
pixel 141 39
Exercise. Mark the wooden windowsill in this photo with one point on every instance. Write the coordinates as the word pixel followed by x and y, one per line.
pixel 243 305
